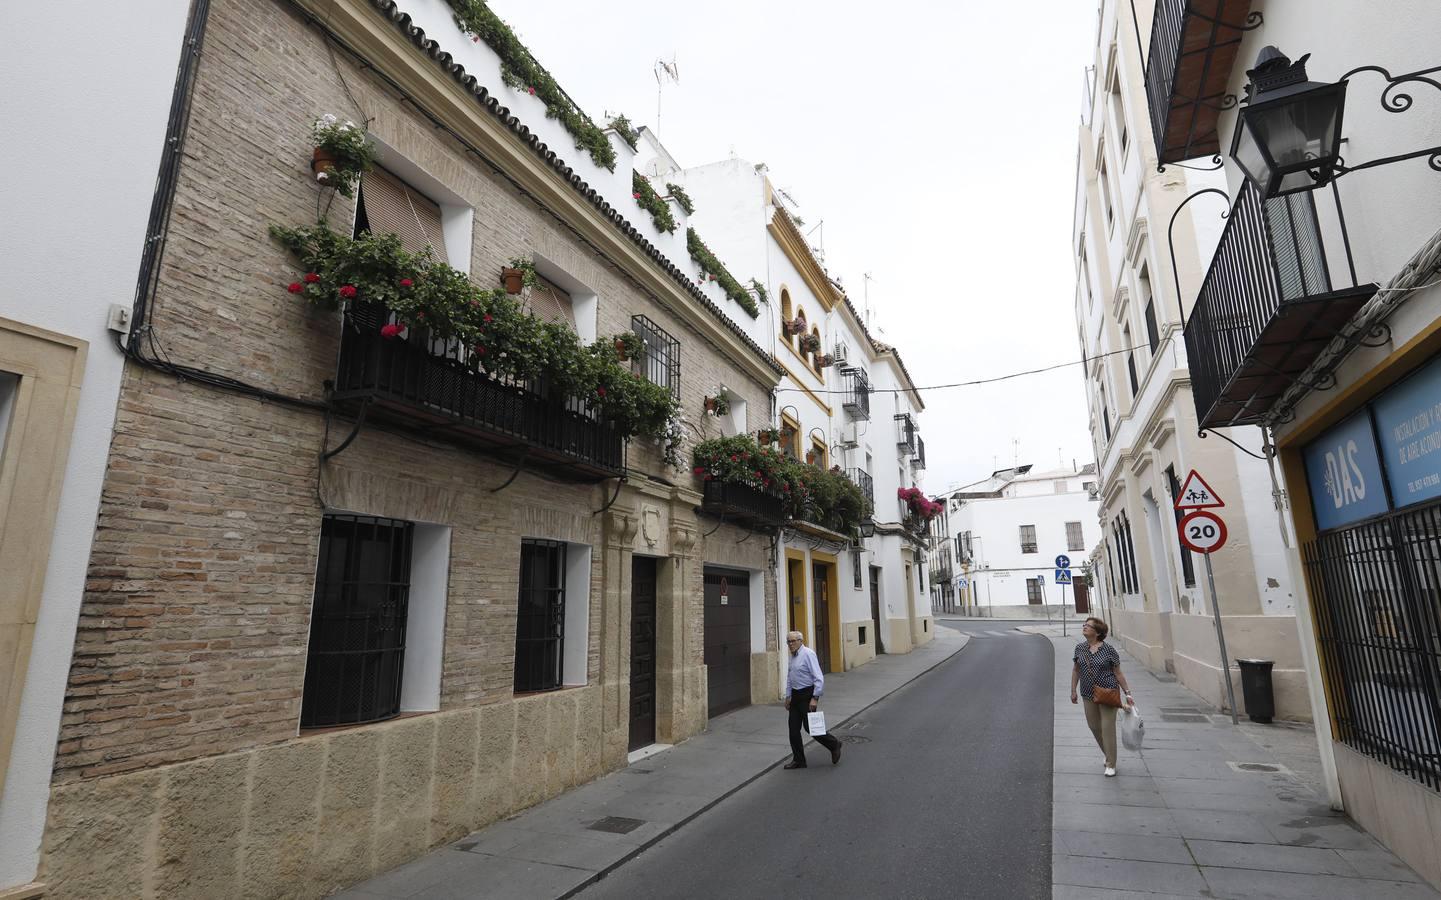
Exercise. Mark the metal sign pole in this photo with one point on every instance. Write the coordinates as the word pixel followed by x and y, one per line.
pixel 1061 589
pixel 1221 640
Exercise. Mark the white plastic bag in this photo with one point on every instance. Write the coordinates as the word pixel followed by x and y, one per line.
pixel 1133 729
pixel 816 723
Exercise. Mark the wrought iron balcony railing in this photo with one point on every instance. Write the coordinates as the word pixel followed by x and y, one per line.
pixel 1266 309
pixel 743 505
pixel 919 460
pixel 856 400
pixel 1193 48
pixel 428 385
pixel 867 485
pixel 906 434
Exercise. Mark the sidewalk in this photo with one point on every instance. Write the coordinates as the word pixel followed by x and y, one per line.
pixel 557 848
pixel 1206 810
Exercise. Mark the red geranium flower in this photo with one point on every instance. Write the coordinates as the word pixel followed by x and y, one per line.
pixel 600 392
pixel 406 282
pixel 295 287
pixel 486 318
pixel 479 350
pixel 390 331
pixel 311 278
pixel 532 91
pixel 347 291
pixel 699 470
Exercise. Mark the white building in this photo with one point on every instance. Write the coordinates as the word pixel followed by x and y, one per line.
pixel 1319 319
pixel 851 404
pixel 84 173
pixel 1137 231
pixel 1008 530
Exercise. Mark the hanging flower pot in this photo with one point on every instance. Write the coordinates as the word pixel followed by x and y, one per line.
pixel 795 326
pixel 514 280
pixel 322 163
pixel 710 405
pixel 810 457
pixel 825 360
pixel 621 351
pixel 810 343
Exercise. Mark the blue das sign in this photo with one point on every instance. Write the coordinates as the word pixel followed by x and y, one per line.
pixel 1343 470
pixel 1408 422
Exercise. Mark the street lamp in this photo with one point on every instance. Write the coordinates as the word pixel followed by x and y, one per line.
pixel 1288 135
pixel 868 528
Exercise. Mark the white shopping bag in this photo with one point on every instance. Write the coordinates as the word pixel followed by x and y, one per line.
pixel 1133 729
pixel 816 723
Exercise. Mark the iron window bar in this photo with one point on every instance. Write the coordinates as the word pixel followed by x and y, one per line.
pixel 439 388
pixel 919 461
pixel 856 399
pixel 743 505
pixel 356 655
pixel 659 361
pixel 863 480
pixel 1377 590
pixel 905 433
pixel 540 617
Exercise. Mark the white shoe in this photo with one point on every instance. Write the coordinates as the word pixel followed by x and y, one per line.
pixel 1110 772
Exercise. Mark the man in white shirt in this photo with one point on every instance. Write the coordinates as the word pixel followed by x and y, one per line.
pixel 804 684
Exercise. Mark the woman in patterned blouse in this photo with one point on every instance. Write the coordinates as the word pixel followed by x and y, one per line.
pixel 1094 664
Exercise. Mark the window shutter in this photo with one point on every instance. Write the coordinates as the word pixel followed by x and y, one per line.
pixel 392 206
pixel 551 304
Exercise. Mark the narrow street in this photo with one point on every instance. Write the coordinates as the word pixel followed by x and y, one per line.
pixel 943 789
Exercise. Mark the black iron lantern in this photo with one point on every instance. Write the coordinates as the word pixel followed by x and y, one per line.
pixel 868 528
pixel 1288 135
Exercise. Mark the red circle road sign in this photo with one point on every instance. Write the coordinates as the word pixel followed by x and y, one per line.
pixel 1203 531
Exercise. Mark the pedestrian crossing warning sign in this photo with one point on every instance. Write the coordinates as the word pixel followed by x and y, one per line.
pixel 1195 493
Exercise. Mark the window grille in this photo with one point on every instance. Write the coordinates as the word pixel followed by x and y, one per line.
pixel 856 396
pixel 357 625
pixel 1028 539
pixel 1377 592
pixel 659 361
pixel 905 433
pixel 540 621
pixel 1074 537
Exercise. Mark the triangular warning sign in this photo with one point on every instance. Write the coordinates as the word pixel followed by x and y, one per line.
pixel 1195 493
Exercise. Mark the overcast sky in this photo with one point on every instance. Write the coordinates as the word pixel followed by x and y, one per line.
pixel 937 142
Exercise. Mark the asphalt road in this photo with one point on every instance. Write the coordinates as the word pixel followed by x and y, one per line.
pixel 943 790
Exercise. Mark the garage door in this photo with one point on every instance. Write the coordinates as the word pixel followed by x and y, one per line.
pixel 727 638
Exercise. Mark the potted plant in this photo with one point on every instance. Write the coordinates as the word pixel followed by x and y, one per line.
pixel 519 274
pixel 342 154
pixel 810 343
pixel 825 360
pixel 628 345
pixel 718 404
pixel 794 326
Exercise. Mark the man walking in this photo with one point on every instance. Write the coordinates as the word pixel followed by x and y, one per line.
pixel 804 684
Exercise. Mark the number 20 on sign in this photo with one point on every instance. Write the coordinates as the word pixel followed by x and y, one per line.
pixel 1203 531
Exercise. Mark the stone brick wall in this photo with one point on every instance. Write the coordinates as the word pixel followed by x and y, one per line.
pixel 193 632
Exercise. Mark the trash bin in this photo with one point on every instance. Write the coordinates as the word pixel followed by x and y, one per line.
pixel 1256 688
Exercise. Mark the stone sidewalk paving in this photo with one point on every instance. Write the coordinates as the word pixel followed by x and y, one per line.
pixel 559 847
pixel 1206 810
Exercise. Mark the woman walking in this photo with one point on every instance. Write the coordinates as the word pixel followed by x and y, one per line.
pixel 1096 666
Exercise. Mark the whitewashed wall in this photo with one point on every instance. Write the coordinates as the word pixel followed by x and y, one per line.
pixel 80 154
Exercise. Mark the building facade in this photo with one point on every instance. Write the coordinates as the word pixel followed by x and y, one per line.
pixel 1318 319
pixel 351 595
pixel 59 371
pixel 844 402
pixel 1007 531
pixel 1140 229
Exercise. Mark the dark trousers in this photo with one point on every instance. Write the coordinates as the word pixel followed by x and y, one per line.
pixel 800 705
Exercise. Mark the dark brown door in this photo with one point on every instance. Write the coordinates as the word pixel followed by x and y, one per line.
pixel 642 652
pixel 727 639
pixel 1083 596
pixel 876 607
pixel 820 578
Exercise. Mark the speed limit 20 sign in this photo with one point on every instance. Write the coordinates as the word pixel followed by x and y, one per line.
pixel 1203 531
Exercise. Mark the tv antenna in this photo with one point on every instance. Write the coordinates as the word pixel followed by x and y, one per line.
pixel 664 71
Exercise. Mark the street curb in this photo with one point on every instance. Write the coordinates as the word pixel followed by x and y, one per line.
pixel 965 641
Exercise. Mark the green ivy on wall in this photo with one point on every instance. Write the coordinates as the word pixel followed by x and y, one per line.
pixel 712 267
pixel 651 202
pixel 681 197
pixel 520 70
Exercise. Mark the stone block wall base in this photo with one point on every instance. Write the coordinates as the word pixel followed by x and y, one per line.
pixel 23 892
pixel 1288 687
pixel 924 629
pixel 765 677
pixel 1401 813
pixel 899 640
pixel 312 815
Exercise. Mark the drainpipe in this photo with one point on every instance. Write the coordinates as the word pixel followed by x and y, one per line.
pixel 1305 631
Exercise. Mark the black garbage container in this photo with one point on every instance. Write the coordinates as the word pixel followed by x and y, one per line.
pixel 1256 688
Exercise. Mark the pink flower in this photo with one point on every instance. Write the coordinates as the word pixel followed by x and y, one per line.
pixel 295 287
pixel 636 195
pixel 531 90
pixel 391 331
pixel 311 278
pixel 347 291
pixel 406 282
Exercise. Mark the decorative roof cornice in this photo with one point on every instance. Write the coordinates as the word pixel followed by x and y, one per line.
pixel 793 244
pixel 403 22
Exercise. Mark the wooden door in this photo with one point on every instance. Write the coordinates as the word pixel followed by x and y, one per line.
pixel 876 607
pixel 820 582
pixel 642 651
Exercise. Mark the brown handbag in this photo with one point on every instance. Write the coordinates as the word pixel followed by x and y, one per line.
pixel 1104 696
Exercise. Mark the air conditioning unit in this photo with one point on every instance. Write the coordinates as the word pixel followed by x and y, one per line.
pixel 839 353
pixel 850 437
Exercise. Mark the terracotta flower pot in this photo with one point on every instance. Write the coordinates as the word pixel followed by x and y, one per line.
pixel 710 404
pixel 322 163
pixel 620 350
pixel 514 280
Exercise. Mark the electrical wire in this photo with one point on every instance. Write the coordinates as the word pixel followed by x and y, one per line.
pixel 1085 360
